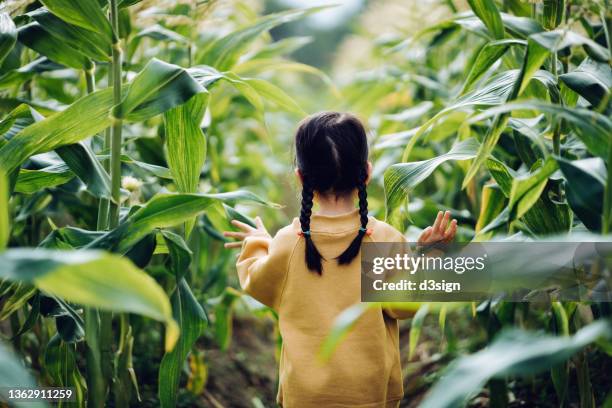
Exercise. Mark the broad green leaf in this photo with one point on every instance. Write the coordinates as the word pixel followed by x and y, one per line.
pixel 83 13
pixel 190 317
pixel 492 203
pixel 401 178
pixel 526 190
pixel 488 55
pixel 84 164
pixel 158 87
pixel 274 94
pixel 487 11
pixel 342 326
pixel 585 189
pixel 91 278
pixel 14 374
pixel 32 181
pixel 192 321
pixel 552 13
pixel 186 143
pixel 223 306
pixel 36 38
pixel 279 48
pixel 513 352
pixel 223 53
pixel 415 329
pixel 592 80
pixel 61 364
pixel 166 210
pixel 591 127
pixel 85 41
pixel 160 33
pixel 8 35
pixel 561 39
pixel 534 57
pixel 5 226
pixel 86 117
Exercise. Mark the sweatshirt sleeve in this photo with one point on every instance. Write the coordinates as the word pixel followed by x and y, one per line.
pixel 262 268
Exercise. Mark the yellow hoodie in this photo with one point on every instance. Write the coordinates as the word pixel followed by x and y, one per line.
pixel 364 370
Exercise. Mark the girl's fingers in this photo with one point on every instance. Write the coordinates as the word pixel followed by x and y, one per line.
pixel 444 224
pixel 425 234
pixel 235 234
pixel 241 225
pixel 436 224
pixel 260 224
pixel 452 230
pixel 231 245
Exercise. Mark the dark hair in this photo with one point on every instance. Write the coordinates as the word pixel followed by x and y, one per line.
pixel 332 156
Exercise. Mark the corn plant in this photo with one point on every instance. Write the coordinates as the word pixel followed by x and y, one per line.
pixel 508 124
pixel 111 184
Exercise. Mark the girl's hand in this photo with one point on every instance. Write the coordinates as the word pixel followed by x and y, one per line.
pixel 247 231
pixel 440 231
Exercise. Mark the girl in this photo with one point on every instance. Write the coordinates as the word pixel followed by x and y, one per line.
pixel 310 272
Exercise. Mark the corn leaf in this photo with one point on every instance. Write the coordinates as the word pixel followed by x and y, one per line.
pixel 415 329
pixel 592 80
pixel 487 56
pixel 487 11
pixel 223 53
pixel 91 278
pixel 190 317
pixel 32 181
pixel 513 352
pixel 83 13
pixel 84 164
pixel 5 226
pixel 84 118
pixel 186 142
pixel 585 185
pixel 526 189
pixel 157 88
pixel 85 41
pixel 341 328
pixel 8 35
pixel 13 374
pixel 35 37
pixel 401 178
pixel 166 210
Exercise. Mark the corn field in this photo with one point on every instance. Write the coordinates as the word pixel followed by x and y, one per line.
pixel 133 131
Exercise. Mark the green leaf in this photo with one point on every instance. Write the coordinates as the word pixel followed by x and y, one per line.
pixel 5 225
pixel 160 33
pixel 585 189
pixel 342 326
pixel 91 278
pixel 14 374
pixel 561 39
pixel 158 87
pixel 32 181
pixel 223 53
pixel 513 352
pixel 186 143
pixel 492 203
pixel 592 80
pixel 8 35
pixel 487 11
pixel 84 164
pixel 60 363
pixel 274 94
pixel 552 13
pixel 166 210
pixel 180 254
pixel 86 117
pixel 415 329
pixel 591 127
pixel 83 13
pixel 36 38
pixel 526 189
pixel 192 321
pixel 488 55
pixel 85 41
pixel 401 178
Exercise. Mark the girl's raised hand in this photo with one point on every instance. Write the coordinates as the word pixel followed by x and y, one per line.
pixel 440 231
pixel 245 231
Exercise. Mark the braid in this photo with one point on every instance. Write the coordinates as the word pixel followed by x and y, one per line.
pixel 313 257
pixel 353 249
